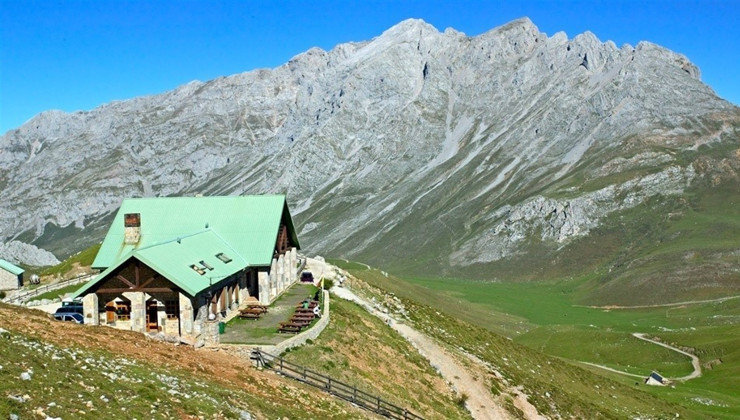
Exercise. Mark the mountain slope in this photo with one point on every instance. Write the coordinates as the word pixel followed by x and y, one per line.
pixel 492 156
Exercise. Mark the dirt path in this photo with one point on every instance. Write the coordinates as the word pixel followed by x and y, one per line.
pixel 480 401
pixel 634 375
pixel 661 305
pixel 694 360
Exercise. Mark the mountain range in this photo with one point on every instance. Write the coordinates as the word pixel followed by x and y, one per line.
pixel 511 155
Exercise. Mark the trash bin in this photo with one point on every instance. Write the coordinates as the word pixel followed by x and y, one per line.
pixel 221 327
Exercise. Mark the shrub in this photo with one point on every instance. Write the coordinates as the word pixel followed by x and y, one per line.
pixel 328 283
pixel 2 294
pixel 462 399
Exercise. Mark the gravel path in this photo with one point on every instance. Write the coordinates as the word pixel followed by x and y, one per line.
pixel 480 401
pixel 694 360
pixel 662 305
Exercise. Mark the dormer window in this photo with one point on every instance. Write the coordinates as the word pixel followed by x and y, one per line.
pixel 206 265
pixel 223 257
pixel 197 269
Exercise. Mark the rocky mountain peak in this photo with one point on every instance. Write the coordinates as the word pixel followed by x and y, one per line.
pixel 376 141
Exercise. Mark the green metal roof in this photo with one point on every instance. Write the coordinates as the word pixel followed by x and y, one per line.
pixel 10 267
pixel 249 224
pixel 172 259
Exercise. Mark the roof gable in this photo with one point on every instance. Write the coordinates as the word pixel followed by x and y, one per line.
pixel 173 259
pixel 13 269
pixel 249 224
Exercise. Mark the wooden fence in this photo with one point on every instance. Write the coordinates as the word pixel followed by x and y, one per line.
pixel 23 297
pixel 337 388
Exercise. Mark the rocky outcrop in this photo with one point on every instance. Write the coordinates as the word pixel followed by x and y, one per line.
pixel 22 253
pixel 414 140
pixel 560 220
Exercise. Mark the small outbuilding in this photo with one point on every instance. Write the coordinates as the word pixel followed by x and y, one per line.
pixel 11 276
pixel 655 379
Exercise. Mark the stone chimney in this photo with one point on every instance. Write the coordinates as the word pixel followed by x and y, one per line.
pixel 132 228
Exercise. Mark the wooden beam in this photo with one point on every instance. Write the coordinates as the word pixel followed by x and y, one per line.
pixel 145 290
pixel 148 282
pixel 123 279
pixel 136 272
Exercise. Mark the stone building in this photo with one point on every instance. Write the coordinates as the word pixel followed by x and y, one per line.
pixel 172 264
pixel 11 277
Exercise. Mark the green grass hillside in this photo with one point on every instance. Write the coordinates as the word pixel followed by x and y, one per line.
pixel 97 372
pixel 361 350
pixel 543 317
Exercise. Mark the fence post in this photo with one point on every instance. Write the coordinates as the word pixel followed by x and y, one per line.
pixel 328 385
pixel 378 404
pixel 354 393
pixel 304 373
pixel 281 364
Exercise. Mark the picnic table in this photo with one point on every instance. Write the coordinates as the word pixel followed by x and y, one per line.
pixel 304 311
pixel 289 327
pixel 251 311
pixel 257 307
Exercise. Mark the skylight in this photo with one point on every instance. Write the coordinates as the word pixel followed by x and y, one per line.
pixel 197 269
pixel 206 265
pixel 223 257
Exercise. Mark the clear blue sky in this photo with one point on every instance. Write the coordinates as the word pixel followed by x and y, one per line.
pixel 74 55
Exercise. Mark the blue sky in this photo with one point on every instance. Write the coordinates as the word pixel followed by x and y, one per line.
pixel 74 55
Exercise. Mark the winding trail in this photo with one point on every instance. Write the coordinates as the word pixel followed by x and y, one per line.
pixel 661 305
pixel 694 361
pixel 480 403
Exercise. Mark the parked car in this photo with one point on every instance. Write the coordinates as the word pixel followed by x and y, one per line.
pixel 69 305
pixel 69 317
pixel 306 277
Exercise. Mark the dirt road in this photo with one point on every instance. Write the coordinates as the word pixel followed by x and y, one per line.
pixel 662 305
pixel 480 401
pixel 694 360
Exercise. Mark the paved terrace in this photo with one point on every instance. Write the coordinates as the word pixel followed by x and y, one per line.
pixel 264 330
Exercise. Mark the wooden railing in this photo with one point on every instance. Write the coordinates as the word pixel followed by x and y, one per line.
pixel 24 297
pixel 337 388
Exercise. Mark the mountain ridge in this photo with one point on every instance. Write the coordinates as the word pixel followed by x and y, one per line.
pixel 403 150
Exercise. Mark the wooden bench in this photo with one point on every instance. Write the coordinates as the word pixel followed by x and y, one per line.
pixel 303 311
pixel 260 308
pixel 301 322
pixel 286 327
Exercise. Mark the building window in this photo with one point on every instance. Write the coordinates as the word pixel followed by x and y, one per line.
pixel 223 257
pixel 123 311
pixel 197 269
pixel 171 308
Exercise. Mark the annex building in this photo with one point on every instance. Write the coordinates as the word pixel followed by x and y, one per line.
pixel 11 276
pixel 171 264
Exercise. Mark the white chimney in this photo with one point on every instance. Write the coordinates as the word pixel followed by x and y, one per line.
pixel 132 228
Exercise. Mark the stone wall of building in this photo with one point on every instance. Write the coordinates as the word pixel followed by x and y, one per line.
pixel 8 280
pixel 263 280
pixel 186 316
pixel 90 309
pixel 138 310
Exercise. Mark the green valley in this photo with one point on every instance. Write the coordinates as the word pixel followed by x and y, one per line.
pixel 546 317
